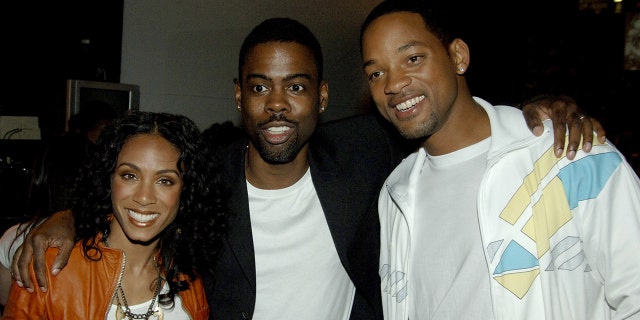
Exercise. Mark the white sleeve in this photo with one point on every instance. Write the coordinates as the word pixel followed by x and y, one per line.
pixel 8 247
pixel 612 230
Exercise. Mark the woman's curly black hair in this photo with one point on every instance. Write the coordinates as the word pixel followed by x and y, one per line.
pixel 189 246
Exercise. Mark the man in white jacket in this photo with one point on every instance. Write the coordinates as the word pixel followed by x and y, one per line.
pixel 520 234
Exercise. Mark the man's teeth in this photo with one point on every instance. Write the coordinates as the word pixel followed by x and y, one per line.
pixel 409 103
pixel 278 129
pixel 142 217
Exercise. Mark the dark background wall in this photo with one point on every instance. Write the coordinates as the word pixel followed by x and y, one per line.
pixel 560 47
pixel 45 43
pixel 552 47
pixel 183 54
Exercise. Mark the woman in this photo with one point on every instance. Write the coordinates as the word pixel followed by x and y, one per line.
pixel 149 219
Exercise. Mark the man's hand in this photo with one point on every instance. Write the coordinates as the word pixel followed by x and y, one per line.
pixel 57 231
pixel 563 111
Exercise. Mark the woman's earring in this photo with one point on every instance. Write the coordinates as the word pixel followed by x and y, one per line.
pixel 238 107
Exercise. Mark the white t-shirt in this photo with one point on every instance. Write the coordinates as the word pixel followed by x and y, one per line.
pixel 299 274
pixel 450 273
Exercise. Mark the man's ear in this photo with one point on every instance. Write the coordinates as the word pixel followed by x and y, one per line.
pixel 238 93
pixel 460 54
pixel 324 96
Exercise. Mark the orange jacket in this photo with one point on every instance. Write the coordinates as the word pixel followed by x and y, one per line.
pixel 84 290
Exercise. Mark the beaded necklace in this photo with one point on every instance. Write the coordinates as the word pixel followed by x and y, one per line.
pixel 124 312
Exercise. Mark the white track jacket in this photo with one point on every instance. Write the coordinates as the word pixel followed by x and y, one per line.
pixel 561 238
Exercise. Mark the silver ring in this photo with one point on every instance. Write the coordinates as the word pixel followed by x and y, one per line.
pixel 11 273
pixel 582 116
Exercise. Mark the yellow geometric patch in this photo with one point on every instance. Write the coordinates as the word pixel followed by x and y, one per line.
pixel 522 197
pixel 518 283
pixel 550 213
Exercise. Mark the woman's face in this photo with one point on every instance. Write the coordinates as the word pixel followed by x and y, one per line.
pixel 146 187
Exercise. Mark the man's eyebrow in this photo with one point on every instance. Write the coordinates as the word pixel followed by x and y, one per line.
pixel 409 45
pixel 287 78
pixel 368 63
pixel 257 75
pixel 297 75
pixel 402 48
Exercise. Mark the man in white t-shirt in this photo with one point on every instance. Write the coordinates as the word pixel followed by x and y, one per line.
pixel 483 221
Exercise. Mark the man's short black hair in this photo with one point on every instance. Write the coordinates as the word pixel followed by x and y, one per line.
pixel 439 16
pixel 281 30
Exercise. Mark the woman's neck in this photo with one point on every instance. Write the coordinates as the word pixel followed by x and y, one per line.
pixel 139 255
pixel 140 273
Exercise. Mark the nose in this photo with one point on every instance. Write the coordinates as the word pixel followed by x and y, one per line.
pixel 277 101
pixel 145 194
pixel 396 81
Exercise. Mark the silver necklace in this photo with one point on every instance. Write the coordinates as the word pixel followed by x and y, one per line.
pixel 124 312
